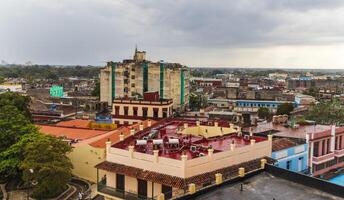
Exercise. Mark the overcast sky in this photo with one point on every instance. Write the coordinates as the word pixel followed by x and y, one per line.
pixel 234 33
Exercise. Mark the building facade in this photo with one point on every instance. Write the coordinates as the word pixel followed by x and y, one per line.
pixel 326 150
pixel 290 155
pixel 254 105
pixel 136 76
pixel 173 155
pixel 130 110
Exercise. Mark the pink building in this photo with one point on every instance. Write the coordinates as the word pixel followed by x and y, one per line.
pixel 326 150
pixel 326 143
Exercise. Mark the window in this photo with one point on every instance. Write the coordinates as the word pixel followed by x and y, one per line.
pixel 117 110
pixel 316 149
pixel 144 112
pixel 133 85
pixel 338 143
pixel 120 182
pixel 142 188
pixel 288 164
pixel 135 111
pixel 132 76
pixel 328 146
pixel 164 112
pixel 323 148
pixel 126 110
pixel 155 112
pixel 167 191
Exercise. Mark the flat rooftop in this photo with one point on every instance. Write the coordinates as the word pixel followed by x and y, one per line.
pixel 172 139
pixel 266 186
pixel 282 131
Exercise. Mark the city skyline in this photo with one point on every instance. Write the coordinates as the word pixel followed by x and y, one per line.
pixel 302 34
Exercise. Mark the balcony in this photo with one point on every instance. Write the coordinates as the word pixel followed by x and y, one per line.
pixel 339 153
pixel 110 191
pixel 323 158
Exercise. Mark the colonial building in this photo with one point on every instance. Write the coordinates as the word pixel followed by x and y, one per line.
pixel 131 110
pixel 326 150
pixel 166 160
pixel 325 143
pixel 134 77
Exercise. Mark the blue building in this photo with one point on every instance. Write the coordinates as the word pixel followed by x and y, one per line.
pixel 291 154
pixel 259 103
pixel 254 105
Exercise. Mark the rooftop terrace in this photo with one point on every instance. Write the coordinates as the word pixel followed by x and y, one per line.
pixel 266 186
pixel 173 138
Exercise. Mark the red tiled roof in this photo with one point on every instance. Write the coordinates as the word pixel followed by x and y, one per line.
pixel 77 123
pixel 227 172
pixel 70 133
pixel 114 137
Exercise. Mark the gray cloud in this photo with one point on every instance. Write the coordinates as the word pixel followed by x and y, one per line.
pixel 194 32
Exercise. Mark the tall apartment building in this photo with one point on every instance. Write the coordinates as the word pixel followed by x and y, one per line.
pixel 133 77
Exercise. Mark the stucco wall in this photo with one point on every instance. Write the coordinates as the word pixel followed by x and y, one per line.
pixel 188 168
pixel 84 158
pixel 293 155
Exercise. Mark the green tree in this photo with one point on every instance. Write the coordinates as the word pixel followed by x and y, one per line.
pixel 285 109
pixel 264 113
pixel 47 157
pixel 13 125
pixel 197 101
pixel 311 91
pixel 331 112
pixel 96 90
pixel 22 103
pixel 11 158
pixel 52 76
pixel 2 79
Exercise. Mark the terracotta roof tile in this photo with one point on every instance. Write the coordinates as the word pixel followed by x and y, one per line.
pixel 77 123
pixel 228 172
pixel 70 133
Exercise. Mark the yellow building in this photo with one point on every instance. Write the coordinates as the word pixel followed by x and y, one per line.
pixel 88 144
pixel 134 77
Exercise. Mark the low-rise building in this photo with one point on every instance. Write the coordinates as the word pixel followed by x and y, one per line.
pixel 254 105
pixel 291 154
pixel 326 150
pixel 304 100
pixel 88 143
pixel 325 143
pixel 207 82
pixel 131 110
pixel 11 87
pixel 169 156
